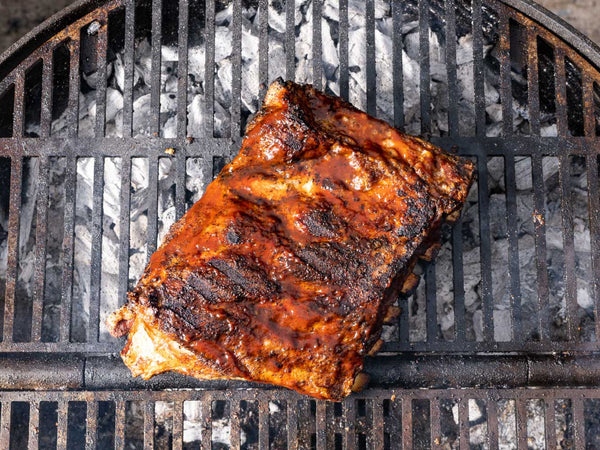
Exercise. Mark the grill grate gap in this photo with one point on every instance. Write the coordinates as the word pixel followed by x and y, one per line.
pixel 574 99
pixel 27 246
pixel 76 425
pixel 82 250
pixel 507 422
pixel 33 100
pixel 6 114
pixel 421 425
pixel 139 219
pixel 111 234
pixel 446 422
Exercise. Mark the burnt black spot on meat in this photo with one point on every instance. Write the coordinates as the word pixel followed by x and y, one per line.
pixel 417 219
pixel 336 262
pixel 333 305
pixel 233 237
pixel 322 223
pixel 328 184
pixel 250 278
pixel 246 199
pixel 207 288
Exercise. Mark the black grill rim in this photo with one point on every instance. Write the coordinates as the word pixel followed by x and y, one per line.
pixel 13 55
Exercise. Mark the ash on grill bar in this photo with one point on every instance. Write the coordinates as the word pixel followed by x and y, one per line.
pixel 497 346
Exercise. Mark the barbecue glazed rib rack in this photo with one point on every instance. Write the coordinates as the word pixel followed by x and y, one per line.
pixel 114 117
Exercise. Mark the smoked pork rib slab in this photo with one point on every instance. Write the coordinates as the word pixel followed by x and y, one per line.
pixel 284 270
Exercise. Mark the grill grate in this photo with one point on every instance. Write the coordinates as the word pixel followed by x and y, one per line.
pixel 376 419
pixel 92 100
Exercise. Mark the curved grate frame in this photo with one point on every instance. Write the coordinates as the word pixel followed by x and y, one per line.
pixel 542 328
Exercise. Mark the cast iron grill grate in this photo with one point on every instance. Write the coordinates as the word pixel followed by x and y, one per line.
pixel 93 99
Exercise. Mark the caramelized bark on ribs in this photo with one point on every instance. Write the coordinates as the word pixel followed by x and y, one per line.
pixel 284 270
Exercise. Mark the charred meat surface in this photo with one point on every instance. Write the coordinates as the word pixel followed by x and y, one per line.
pixel 284 271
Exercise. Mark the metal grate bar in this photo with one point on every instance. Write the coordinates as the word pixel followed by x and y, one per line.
pixel 246 393
pixel 40 250
pixel 592 163
pixel 182 70
pixel 450 10
pixel 407 424
pixel 343 49
pixel 96 267
pixel 513 246
pixel 424 83
pixel 334 424
pixel 550 423
pixel 149 425
pixel 152 205
pixel 292 424
pixel 505 77
pixel 435 426
pixel 589 125
pixel 290 39
pixel 234 424
pixel 521 423
pixel 398 76
pixel 5 425
pixel 561 92
pixel 579 422
pixel 128 57
pixel 371 75
pixel 209 70
pixel 236 79
pixel 421 346
pixel 486 251
pixel 34 425
pixel 102 43
pixel 349 416
pixel 73 102
pixel 47 88
pixel 263 423
pixel 206 406
pixel 19 106
pixel 377 431
pixel 539 223
pixel 178 424
pixel 62 424
pixel 431 303
pixel 533 94
pixel 321 425
pixel 569 246
pixel 317 45
pixel 146 146
pixel 16 169
pixel 120 424
pixel 125 199
pixel 458 282
pixel 156 61
pixel 92 424
pixel 180 162
pixel 478 69
pixel 306 421
pixel 68 238
pixel 263 47
pixel 463 422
